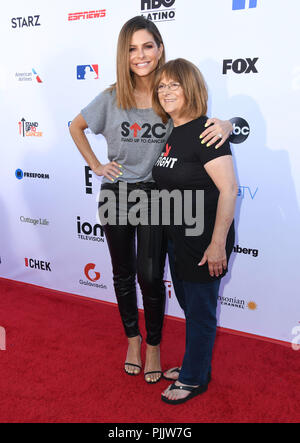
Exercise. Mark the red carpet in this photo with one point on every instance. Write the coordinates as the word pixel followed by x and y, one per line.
pixel 64 363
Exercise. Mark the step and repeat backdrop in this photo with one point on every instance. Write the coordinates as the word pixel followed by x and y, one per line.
pixel 57 56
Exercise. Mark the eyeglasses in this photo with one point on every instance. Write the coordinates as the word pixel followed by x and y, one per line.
pixel 171 86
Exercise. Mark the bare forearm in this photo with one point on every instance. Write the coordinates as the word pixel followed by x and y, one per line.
pixel 224 216
pixel 84 147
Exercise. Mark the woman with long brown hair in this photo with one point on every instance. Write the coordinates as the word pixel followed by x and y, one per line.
pixel 135 137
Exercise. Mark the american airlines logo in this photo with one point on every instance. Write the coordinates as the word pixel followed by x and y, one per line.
pixel 86 15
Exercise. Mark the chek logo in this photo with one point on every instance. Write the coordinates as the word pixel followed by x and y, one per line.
pixel 240 66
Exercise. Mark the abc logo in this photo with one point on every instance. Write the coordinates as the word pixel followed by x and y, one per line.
pixel 241 130
pixel 156 4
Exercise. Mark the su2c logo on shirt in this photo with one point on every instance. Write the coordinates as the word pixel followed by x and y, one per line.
pixel 133 132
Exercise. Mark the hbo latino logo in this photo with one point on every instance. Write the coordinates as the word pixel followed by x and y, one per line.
pixel 158 10
pixel 241 130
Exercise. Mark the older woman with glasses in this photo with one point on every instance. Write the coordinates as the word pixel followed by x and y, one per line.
pixel 197 262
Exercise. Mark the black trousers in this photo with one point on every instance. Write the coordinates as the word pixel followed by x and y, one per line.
pixel 137 251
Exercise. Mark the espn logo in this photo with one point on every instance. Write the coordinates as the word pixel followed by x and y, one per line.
pixel 86 15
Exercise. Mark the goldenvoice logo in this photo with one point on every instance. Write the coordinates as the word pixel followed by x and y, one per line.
pixel 29 21
pixel 86 15
pixel 158 10
pixel 36 175
pixel 92 276
pixel 29 129
pixel 28 76
pixel 85 72
pixel 243 4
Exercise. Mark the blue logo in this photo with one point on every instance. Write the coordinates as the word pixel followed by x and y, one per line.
pixel 19 174
pixel 85 72
pixel 241 4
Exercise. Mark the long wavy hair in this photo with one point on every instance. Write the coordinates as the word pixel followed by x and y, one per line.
pixel 125 83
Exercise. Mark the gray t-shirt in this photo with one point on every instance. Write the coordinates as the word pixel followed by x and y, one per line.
pixel 135 137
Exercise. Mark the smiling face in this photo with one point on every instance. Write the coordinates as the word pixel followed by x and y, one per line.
pixel 144 54
pixel 171 98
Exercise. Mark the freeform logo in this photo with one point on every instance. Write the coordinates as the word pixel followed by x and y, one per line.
pixel 20 174
pixel 243 4
pixel 86 231
pixel 28 76
pixel 248 251
pixel 87 15
pixel 240 65
pixel 165 12
pixel 241 130
pixel 29 129
pixel 85 72
pixel 37 264
pixel 30 20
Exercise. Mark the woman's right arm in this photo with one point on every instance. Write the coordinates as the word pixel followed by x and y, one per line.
pixel 77 127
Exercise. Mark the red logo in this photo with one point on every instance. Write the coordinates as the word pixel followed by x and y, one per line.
pixel 87 14
pixel 135 127
pixel 87 270
pixel 168 149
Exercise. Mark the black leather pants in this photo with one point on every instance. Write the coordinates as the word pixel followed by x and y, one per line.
pixel 138 251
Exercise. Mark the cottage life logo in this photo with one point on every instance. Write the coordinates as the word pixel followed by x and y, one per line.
pixel 158 10
pixel 28 76
pixel 29 129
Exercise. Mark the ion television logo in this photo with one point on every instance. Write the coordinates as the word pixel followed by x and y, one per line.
pixel 158 10
pixel 243 4
pixel 241 130
pixel 85 72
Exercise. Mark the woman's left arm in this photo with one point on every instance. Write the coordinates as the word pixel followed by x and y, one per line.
pixel 217 130
pixel 221 171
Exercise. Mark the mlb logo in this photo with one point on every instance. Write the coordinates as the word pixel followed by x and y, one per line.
pixel 243 4
pixel 85 72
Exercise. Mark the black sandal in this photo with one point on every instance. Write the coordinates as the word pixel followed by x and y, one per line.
pixel 193 393
pixel 178 369
pixel 153 372
pixel 131 364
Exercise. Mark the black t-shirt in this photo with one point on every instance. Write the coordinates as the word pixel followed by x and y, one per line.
pixel 181 167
